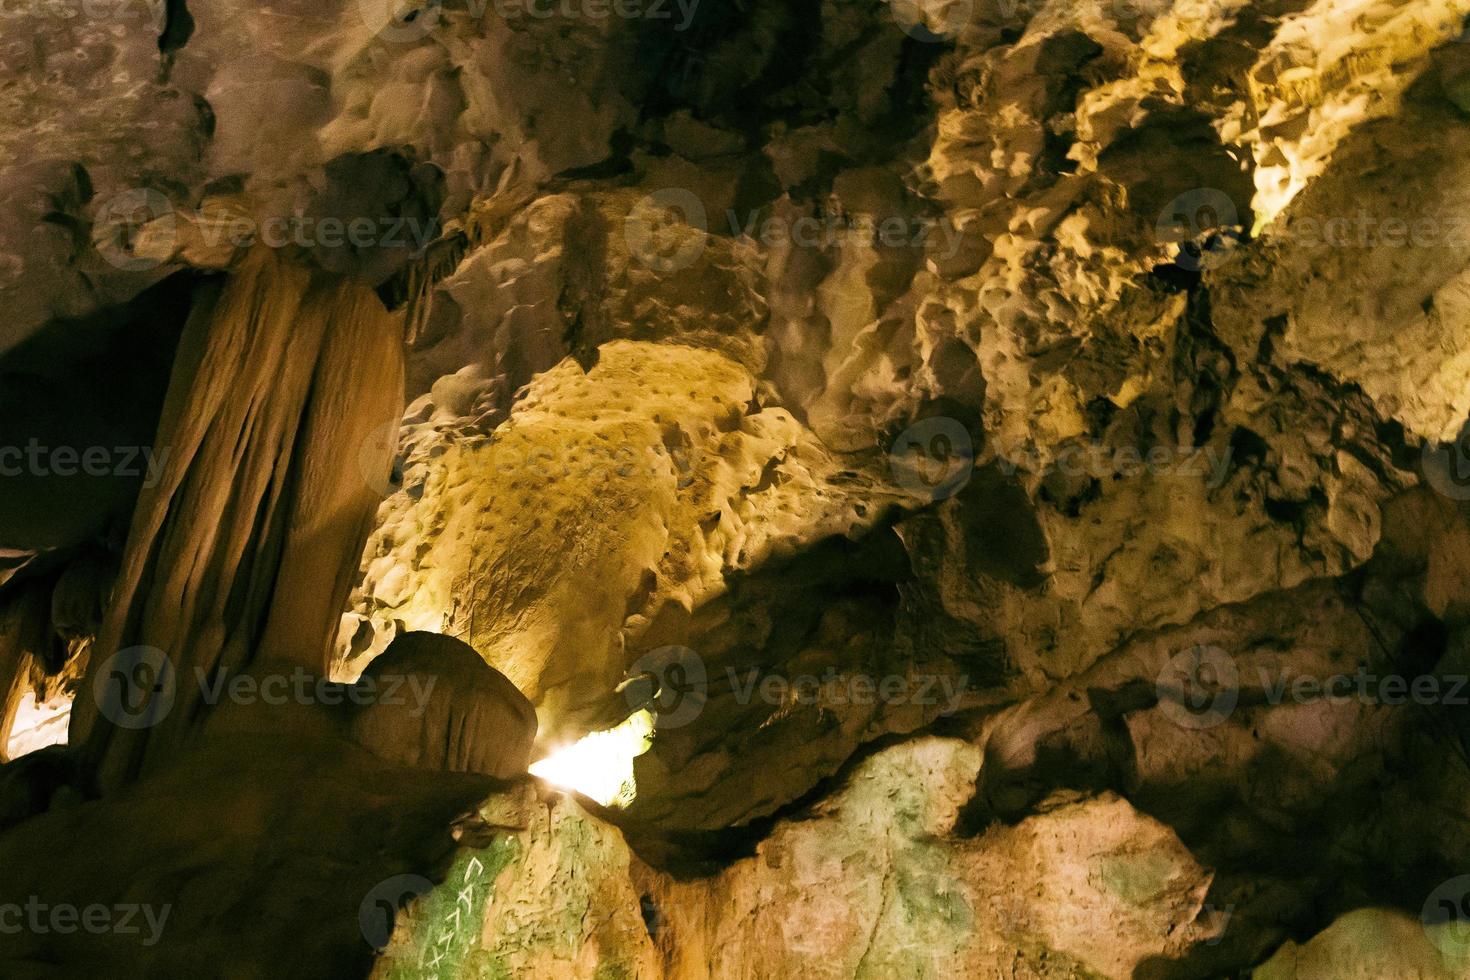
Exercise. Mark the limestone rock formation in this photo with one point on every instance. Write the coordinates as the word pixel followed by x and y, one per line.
pixel 875 882
pixel 988 482
pixel 475 722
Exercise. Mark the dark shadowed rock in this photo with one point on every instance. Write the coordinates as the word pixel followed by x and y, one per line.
pixel 431 702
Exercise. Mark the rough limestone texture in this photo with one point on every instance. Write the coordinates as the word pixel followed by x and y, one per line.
pixel 1375 943
pixel 873 882
pixel 607 488
pixel 549 894
pixel 1165 302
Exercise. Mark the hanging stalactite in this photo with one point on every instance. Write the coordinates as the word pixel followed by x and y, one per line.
pixel 241 558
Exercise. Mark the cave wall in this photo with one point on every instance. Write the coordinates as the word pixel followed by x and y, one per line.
pixel 1073 379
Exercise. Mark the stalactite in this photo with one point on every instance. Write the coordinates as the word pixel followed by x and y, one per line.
pixel 413 289
pixel 241 558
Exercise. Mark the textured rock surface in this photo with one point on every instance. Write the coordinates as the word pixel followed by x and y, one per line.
pixel 873 883
pixel 255 858
pixel 1371 943
pixel 462 715
pixel 1095 368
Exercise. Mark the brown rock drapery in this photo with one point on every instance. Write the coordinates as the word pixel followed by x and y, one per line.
pixel 242 557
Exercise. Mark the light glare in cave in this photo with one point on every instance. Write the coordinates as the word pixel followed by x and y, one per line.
pixel 600 765
pixel 37 724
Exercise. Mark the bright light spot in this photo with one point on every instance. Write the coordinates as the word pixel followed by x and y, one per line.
pixel 38 724
pixel 600 765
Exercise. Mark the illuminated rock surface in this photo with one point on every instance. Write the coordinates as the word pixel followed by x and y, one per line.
pixel 1005 450
pixel 874 882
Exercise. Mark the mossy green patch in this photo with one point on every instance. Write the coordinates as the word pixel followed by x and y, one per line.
pixel 446 923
